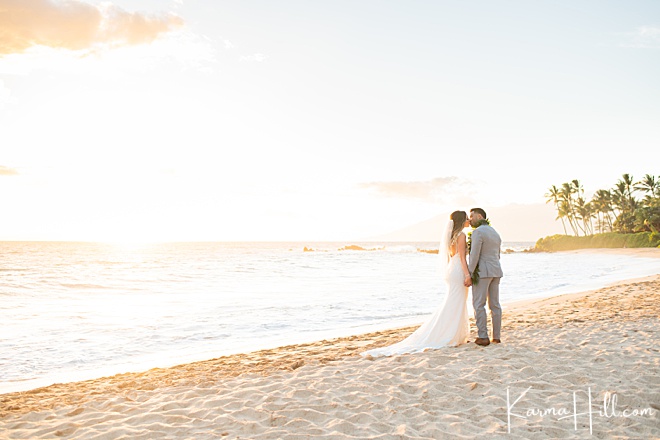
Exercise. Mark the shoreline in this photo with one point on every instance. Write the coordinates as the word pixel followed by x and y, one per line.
pixel 510 305
pixel 513 305
pixel 520 304
pixel 596 340
pixel 531 335
pixel 631 252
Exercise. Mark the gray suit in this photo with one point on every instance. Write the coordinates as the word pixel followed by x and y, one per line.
pixel 485 251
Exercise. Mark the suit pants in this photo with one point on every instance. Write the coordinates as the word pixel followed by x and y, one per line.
pixel 487 289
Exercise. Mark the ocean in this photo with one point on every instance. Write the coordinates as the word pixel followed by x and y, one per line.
pixel 75 311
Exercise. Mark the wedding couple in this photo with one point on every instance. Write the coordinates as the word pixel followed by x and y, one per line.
pixel 449 325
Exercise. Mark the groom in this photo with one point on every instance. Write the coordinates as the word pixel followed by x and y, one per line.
pixel 485 253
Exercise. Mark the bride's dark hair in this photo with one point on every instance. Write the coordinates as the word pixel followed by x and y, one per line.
pixel 459 218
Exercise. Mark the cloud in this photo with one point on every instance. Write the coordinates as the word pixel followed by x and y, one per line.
pixel 645 37
pixel 5 95
pixel 540 222
pixel 6 171
pixel 76 25
pixel 440 189
pixel 258 57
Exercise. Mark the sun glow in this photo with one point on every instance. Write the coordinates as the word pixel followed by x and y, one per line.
pixel 186 127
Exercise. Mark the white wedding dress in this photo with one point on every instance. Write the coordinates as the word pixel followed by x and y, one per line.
pixel 447 327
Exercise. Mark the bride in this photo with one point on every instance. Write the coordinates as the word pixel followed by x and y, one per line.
pixel 448 326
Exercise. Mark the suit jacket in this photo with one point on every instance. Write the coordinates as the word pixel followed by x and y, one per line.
pixel 485 251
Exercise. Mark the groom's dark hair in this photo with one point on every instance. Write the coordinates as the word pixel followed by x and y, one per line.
pixel 479 211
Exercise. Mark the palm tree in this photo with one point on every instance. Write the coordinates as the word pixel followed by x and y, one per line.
pixel 627 180
pixel 616 209
pixel 649 185
pixel 602 204
pixel 619 196
pixel 577 188
pixel 581 207
pixel 566 194
pixel 563 212
pixel 625 202
pixel 553 196
pixel 585 213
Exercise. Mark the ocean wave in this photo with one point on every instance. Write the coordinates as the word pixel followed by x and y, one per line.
pixel 403 248
pixel 217 310
pixel 83 286
pixel 348 247
pixel 408 249
pixel 354 247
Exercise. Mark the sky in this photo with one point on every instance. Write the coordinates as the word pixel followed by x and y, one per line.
pixel 154 120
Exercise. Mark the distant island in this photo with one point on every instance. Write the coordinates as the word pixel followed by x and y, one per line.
pixel 613 218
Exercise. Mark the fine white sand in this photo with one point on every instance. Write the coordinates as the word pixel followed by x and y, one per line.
pixel 601 344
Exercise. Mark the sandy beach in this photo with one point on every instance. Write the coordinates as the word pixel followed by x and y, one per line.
pixel 556 355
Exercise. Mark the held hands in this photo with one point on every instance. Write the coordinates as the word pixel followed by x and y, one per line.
pixel 468 281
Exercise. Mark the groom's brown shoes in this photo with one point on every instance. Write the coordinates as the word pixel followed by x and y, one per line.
pixel 482 341
pixel 496 341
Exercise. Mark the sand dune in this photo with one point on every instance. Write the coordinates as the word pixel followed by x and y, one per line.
pixel 599 344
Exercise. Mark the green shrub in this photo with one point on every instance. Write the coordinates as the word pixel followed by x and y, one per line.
pixel 555 243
